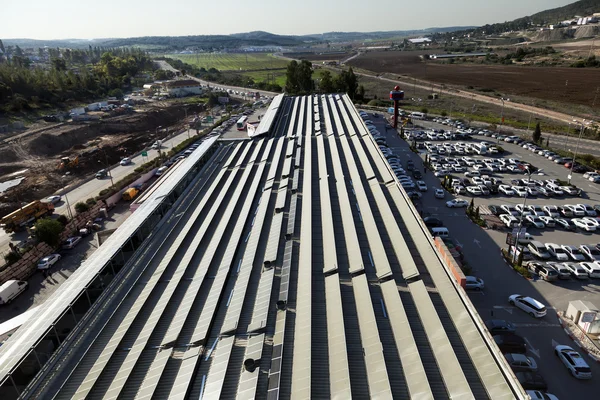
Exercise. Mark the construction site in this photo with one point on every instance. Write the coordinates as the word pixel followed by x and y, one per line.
pixel 65 153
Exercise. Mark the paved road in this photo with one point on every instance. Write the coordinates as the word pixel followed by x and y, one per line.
pixel 94 186
pixel 482 252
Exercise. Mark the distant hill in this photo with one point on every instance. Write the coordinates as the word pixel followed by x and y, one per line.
pixel 580 8
pixel 217 42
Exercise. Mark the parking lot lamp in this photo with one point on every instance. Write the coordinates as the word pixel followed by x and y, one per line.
pixel 576 149
pixel 65 194
pixel 521 216
pixel 502 99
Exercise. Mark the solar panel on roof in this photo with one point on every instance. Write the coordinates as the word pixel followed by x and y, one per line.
pixel 249 377
pixel 216 375
pixel 261 303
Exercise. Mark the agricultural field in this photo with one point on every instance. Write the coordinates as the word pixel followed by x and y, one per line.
pixel 271 76
pixel 333 56
pixel 546 83
pixel 232 61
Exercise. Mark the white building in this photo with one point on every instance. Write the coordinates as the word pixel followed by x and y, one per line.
pixel 183 87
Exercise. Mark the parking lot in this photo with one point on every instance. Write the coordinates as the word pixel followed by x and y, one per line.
pixel 481 248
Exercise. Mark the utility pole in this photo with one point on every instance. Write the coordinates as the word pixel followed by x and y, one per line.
pixel 576 149
pixel 501 116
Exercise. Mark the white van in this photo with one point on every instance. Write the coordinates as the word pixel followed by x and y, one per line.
pixel 417 115
pixel 440 232
pixel 11 289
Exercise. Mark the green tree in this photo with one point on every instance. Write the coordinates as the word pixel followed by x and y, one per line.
pixel 81 207
pixel 361 92
pixel 326 83
pixel 351 83
pixel 292 85
pixel 48 231
pixel 537 133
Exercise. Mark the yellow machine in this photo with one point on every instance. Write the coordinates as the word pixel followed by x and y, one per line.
pixel 67 163
pixel 130 194
pixel 16 220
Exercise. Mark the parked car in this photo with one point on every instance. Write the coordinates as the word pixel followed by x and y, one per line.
pixel 574 253
pixel 71 242
pixel 474 283
pixel 590 251
pixel 584 224
pixel 440 193
pixel 10 289
pixel 535 221
pixel 520 362
pixel 557 252
pixel 499 326
pixel 537 395
pixel 542 270
pixel 575 364
pixel 511 343
pixel 531 381
pixel 592 268
pixel 565 224
pixel 509 220
pixel 433 222
pixel 560 268
pixel 48 261
pixel 528 304
pixel 576 270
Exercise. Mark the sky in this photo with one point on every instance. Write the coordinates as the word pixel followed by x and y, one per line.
pixel 62 19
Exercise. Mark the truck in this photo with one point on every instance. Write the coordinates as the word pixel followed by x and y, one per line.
pixel 18 219
pixel 130 194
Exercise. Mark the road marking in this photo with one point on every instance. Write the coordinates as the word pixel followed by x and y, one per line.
pixel 534 351
pixel 540 325
pixel 477 242
pixel 507 309
pixel 554 343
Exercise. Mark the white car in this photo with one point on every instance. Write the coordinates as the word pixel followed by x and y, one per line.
pixel 557 252
pixel 573 361
pixel 507 208
pixel 48 261
pixel 576 210
pixel 54 199
pixel 548 221
pixel 457 203
pixel 591 252
pixel 519 191
pixel 551 211
pixel 584 224
pixel 161 170
pixel 439 193
pixel 509 220
pixel 71 242
pixel 125 161
pixel 472 174
pixel 569 190
pixel 474 190
pixel 506 190
pixel 592 268
pixel 589 210
pixel 574 253
pixel 528 304
pixel 594 221
pixel 421 186
pixel 537 395
pixel 535 221
pixel 538 211
pixel 576 270
pixel 474 283
pixel 543 191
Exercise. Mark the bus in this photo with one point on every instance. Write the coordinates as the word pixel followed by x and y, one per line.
pixel 241 123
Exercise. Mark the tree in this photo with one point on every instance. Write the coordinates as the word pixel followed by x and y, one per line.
pixel 304 76
pixel 351 83
pixel 291 78
pixel 537 133
pixel 361 92
pixel 48 231
pixel 326 84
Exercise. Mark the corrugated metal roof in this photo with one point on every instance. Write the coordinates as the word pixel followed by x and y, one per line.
pixel 240 260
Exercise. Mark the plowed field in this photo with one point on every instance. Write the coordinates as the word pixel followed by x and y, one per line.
pixel 538 82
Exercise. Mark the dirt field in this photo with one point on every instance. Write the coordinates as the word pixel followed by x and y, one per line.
pixel 106 141
pixel 536 82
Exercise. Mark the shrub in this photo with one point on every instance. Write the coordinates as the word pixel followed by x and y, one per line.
pixel 90 201
pixel 63 220
pixel 443 113
pixel 103 192
pixel 11 257
pixel 424 110
pixel 81 207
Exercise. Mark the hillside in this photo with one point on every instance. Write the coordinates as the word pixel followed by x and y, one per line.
pixel 581 8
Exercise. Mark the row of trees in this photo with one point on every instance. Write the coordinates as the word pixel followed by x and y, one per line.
pixel 299 80
pixel 23 86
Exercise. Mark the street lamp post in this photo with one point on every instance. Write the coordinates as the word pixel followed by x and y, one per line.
pixel 576 149
pixel 65 194
pixel 112 183
pixel 501 117
pixel 521 216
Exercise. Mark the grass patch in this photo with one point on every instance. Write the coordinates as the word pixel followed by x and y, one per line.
pixel 272 76
pixel 231 61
